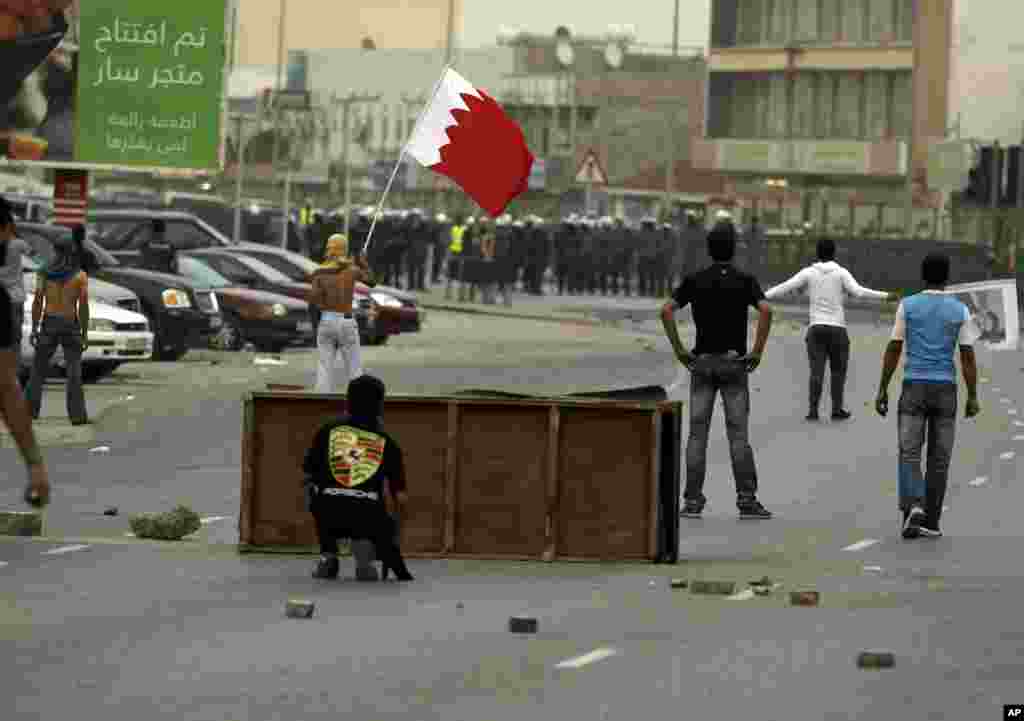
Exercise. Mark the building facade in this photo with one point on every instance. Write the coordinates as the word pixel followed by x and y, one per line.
pixel 638 108
pixel 823 111
pixel 323 25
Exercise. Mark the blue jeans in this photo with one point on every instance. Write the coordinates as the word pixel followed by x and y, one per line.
pixel 710 376
pixel 926 410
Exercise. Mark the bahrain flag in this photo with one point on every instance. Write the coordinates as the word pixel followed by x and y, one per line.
pixel 466 136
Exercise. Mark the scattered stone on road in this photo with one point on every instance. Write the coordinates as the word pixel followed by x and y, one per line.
pixel 713 588
pixel 804 598
pixel 21 523
pixel 875 659
pixel 522 624
pixel 112 511
pixel 299 609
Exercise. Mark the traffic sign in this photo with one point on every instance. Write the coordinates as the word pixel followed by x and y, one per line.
pixel 590 170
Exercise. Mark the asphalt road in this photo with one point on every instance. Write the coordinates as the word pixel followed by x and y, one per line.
pixel 127 629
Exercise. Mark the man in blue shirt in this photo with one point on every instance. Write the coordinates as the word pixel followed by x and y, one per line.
pixel 931 324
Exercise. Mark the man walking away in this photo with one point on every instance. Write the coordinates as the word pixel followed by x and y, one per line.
pixel 337 335
pixel 16 412
pixel 827 338
pixel 62 304
pixel 12 278
pixel 719 363
pixel 157 254
pixel 931 325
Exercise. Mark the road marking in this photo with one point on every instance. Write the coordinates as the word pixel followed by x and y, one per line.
pixel 744 595
pixel 945 508
pixel 979 481
pixel 3 563
pixel 873 569
pixel 65 549
pixel 587 658
pixel 1005 400
pixel 1007 456
pixel 861 545
pixel 1019 424
pixel 100 449
pixel 1012 411
pixel 1018 438
pixel 213 519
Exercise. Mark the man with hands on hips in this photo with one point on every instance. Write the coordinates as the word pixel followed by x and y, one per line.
pixel 719 363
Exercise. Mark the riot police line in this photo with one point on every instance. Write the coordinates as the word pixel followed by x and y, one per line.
pixel 577 256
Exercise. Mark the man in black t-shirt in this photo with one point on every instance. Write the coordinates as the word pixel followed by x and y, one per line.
pixel 350 465
pixel 720 296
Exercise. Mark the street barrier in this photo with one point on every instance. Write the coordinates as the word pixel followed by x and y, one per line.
pixel 489 476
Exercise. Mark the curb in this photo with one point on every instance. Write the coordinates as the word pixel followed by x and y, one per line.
pixel 476 310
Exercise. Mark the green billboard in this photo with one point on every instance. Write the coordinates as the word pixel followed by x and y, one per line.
pixel 116 84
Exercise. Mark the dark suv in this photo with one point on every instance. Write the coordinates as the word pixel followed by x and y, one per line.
pixel 182 314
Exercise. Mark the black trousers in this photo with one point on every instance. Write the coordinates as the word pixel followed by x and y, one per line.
pixel 339 517
pixel 832 344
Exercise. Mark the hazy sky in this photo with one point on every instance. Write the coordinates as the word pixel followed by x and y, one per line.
pixel 651 19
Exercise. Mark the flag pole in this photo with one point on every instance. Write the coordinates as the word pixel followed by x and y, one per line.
pixel 401 157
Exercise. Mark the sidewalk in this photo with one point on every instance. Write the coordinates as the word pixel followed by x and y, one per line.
pixel 599 310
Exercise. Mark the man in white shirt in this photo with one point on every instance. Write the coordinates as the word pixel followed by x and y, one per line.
pixel 827 340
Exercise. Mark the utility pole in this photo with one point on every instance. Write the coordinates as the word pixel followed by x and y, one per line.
pixel 675 31
pixel 450 43
pixel 346 104
pixel 278 87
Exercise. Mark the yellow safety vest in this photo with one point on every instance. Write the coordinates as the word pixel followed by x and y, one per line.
pixel 305 217
pixel 456 244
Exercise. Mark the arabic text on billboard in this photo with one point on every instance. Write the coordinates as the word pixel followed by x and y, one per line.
pixel 124 83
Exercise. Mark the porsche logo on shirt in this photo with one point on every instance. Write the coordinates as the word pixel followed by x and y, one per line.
pixel 354 455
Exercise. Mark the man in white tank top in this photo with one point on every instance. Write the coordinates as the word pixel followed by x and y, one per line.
pixel 827 283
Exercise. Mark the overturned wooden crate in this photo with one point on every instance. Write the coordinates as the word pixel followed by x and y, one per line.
pixel 489 477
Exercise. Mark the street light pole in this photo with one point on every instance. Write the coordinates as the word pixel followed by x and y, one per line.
pixel 239 177
pixel 675 31
pixel 279 86
pixel 346 127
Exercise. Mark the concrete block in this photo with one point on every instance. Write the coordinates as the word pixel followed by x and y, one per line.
pixel 713 588
pixel 875 659
pixel 299 609
pixel 522 624
pixel 20 523
pixel 804 598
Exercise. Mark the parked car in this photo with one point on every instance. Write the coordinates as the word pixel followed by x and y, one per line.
pixel 251 273
pixel 397 309
pixel 30 208
pixel 116 336
pixel 99 290
pixel 181 313
pixel 270 321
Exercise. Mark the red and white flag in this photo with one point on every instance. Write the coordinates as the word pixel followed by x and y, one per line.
pixel 466 136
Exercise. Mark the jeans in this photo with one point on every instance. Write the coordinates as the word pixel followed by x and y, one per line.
pixel 710 376
pixel 18 319
pixel 374 525
pixel 337 338
pixel 828 343
pixel 59 331
pixel 926 409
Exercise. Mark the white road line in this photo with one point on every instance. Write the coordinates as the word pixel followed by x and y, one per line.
pixel 213 519
pixel 744 595
pixel 945 508
pixel 1007 456
pixel 873 569
pixel 861 545
pixel 3 563
pixel 1019 424
pixel 587 658
pixel 979 481
pixel 1018 438
pixel 65 549
pixel 1012 411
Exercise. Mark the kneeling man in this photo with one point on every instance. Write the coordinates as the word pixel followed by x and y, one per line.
pixel 346 468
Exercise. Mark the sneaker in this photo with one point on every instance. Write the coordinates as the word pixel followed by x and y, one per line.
pixel 692 509
pixel 841 416
pixel 929 531
pixel 327 567
pixel 913 522
pixel 753 509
